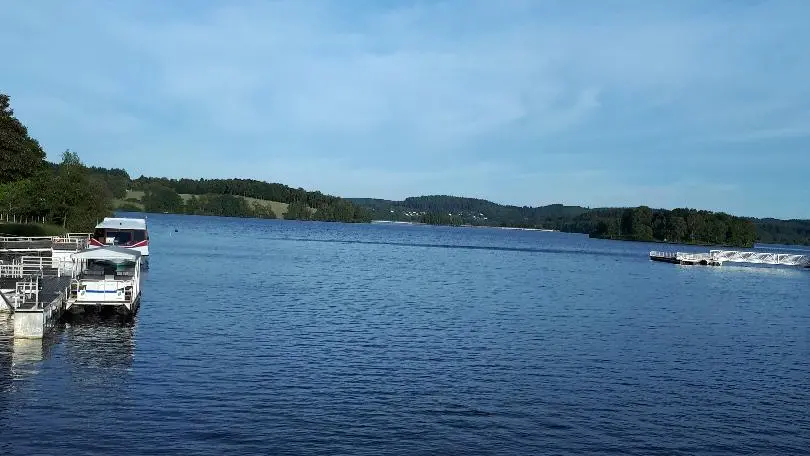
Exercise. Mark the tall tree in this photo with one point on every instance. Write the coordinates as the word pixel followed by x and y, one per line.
pixel 75 200
pixel 20 155
pixel 159 198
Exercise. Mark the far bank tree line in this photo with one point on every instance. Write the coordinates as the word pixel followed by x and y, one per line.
pixel 684 226
pixel 641 223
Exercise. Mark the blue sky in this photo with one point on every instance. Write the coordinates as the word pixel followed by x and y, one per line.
pixel 691 103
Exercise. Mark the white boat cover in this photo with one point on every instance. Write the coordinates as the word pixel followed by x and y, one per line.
pixel 107 253
pixel 122 223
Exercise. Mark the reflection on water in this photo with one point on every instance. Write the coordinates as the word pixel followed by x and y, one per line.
pixel 92 340
pixel 99 341
pixel 26 355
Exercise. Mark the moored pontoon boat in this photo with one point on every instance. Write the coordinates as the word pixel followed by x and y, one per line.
pixel 107 276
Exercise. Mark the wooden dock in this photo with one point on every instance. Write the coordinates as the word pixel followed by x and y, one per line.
pixel 719 257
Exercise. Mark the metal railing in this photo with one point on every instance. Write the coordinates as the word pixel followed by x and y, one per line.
pixel 732 256
pixel 761 258
pixel 69 241
pixel 25 291
pixel 35 266
pixel 11 271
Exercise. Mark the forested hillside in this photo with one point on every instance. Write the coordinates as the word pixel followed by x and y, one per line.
pixel 642 223
pixel 242 198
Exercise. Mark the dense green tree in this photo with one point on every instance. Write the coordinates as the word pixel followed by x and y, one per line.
pixel 116 180
pixel 298 210
pixel 21 156
pixel 75 201
pixel 262 210
pixel 159 198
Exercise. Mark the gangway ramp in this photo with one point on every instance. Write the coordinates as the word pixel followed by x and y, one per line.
pixel 719 257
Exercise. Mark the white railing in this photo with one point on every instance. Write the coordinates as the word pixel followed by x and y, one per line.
pixel 69 241
pixel 73 244
pixel 26 291
pixel 733 256
pixel 25 238
pixel 12 271
pixel 761 258
pixel 35 266
pixel 692 257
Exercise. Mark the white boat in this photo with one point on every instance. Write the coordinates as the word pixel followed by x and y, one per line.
pixel 129 233
pixel 106 276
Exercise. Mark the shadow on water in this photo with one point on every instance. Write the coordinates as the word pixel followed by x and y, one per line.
pixel 100 338
pixel 103 339
pixel 465 247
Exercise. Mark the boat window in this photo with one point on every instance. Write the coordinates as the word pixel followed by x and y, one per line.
pixel 99 233
pixel 123 237
pixel 139 235
pixel 119 237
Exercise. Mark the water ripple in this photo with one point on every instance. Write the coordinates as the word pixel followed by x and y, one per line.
pixel 264 337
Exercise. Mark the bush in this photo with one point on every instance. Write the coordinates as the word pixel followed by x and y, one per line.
pixel 30 229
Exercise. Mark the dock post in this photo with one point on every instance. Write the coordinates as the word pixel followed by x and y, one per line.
pixel 33 323
pixel 29 325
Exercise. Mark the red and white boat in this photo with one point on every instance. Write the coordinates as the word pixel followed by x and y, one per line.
pixel 129 233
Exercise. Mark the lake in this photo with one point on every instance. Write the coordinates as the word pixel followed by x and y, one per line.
pixel 281 337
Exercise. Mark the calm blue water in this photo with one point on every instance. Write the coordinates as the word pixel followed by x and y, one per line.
pixel 270 337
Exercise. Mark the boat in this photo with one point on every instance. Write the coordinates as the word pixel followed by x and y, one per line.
pixel 129 233
pixel 106 276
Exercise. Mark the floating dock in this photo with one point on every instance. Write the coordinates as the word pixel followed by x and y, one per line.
pixel 41 278
pixel 719 257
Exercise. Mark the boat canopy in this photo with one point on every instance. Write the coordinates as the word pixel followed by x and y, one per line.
pixel 108 253
pixel 122 223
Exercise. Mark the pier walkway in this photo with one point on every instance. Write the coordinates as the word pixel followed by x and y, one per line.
pixel 718 257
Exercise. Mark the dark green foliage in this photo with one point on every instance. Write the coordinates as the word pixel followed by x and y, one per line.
pixel 337 210
pixel 445 210
pixel 680 225
pixel 219 205
pixel 21 157
pixel 262 211
pixel 30 229
pixel 640 224
pixel 326 207
pixel 75 200
pixel 789 232
pixel 115 180
pixel 226 206
pixel 129 207
pixel 298 210
pixel 160 198
pixel 435 218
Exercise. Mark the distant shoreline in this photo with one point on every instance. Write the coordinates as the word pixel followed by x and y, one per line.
pixel 399 222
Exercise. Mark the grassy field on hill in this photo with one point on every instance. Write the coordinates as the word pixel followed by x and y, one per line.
pixel 134 198
pixel 278 208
